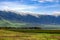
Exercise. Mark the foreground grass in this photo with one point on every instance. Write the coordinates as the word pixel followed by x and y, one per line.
pixel 14 35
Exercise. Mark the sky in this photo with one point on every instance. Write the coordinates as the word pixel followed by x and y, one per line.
pixel 32 6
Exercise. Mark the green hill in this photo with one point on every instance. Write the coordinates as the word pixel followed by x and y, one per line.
pixel 6 23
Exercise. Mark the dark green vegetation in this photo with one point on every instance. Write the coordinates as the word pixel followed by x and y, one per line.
pixel 30 30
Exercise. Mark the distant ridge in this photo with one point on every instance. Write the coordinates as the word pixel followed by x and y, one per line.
pixel 29 17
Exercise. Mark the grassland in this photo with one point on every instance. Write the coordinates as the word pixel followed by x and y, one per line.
pixel 25 34
pixel 15 35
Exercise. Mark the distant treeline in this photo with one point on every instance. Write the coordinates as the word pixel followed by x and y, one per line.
pixel 20 28
pixel 30 30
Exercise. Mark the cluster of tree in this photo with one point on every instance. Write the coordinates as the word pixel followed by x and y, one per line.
pixel 30 28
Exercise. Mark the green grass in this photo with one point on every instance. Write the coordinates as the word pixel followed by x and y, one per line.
pixel 15 35
pixel 6 23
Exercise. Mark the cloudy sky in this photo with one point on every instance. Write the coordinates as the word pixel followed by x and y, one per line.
pixel 35 6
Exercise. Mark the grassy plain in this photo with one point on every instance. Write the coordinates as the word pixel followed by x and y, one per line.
pixel 20 35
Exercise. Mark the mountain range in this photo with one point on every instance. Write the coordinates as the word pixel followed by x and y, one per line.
pixel 29 17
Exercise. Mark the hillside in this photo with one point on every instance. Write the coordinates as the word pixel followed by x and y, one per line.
pixel 29 18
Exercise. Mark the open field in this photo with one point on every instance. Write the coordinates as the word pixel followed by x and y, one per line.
pixel 15 35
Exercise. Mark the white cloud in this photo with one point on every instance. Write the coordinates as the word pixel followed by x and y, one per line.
pixel 56 13
pixel 49 0
pixel 38 0
pixel 15 6
pixel 46 0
